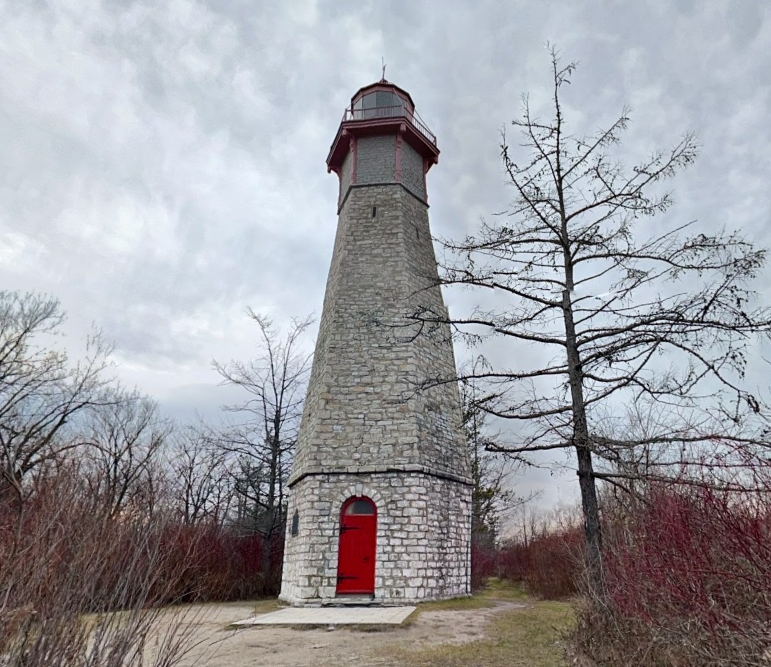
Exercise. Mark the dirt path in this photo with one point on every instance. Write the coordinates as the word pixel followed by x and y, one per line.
pixel 213 645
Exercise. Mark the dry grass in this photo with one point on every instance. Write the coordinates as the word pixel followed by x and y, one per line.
pixel 266 605
pixel 495 591
pixel 478 601
pixel 533 636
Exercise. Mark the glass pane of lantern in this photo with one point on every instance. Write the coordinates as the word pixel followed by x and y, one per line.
pixel 369 102
pixel 386 99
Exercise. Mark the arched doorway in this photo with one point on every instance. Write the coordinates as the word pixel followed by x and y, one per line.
pixel 358 541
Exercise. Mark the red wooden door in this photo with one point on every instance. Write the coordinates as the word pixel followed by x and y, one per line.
pixel 358 541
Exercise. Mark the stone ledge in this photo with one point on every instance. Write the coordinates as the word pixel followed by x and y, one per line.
pixel 380 470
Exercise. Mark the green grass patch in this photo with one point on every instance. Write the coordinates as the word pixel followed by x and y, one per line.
pixel 533 636
pixel 459 604
pixel 496 589
pixel 530 637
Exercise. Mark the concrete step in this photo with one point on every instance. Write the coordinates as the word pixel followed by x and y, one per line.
pixel 331 616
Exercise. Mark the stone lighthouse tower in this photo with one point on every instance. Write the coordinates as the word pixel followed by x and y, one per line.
pixel 380 495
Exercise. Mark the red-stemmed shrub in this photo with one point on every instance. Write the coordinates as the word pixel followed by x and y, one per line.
pixel 548 565
pixel 687 579
pixel 483 563
pixel 62 555
pixel 554 564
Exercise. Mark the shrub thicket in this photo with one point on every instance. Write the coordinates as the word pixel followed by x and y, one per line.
pixel 67 563
pixel 547 565
pixel 688 581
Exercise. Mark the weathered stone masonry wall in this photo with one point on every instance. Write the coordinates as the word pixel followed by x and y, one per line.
pixel 364 410
pixel 423 529
pixel 377 159
pixel 376 164
pixel 346 177
pixel 412 171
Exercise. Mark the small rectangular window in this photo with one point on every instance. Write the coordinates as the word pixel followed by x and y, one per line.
pixel 374 211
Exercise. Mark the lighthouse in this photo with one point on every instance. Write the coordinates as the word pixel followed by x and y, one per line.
pixel 379 505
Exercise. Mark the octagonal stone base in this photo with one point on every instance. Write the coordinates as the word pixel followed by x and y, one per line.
pixel 423 537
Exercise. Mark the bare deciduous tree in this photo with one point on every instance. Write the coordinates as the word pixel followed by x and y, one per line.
pixel 613 314
pixel 40 392
pixel 492 497
pixel 124 438
pixel 201 483
pixel 264 429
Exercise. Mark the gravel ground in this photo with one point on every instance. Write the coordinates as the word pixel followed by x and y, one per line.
pixel 210 642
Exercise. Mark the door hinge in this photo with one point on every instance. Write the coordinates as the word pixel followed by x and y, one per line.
pixel 344 529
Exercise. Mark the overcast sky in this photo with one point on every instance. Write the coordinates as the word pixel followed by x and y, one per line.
pixel 162 164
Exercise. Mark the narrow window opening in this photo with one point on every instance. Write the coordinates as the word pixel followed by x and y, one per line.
pixel 295 523
pixel 374 211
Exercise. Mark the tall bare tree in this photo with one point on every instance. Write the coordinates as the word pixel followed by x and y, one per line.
pixel 123 443
pixel 264 428
pixel 41 393
pixel 612 313
pixel 201 484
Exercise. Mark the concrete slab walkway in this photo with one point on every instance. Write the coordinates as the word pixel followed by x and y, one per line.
pixel 331 616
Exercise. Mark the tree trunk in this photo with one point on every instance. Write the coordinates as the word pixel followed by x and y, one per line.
pixel 591 514
pixel 271 513
pixel 581 442
pixel 267 548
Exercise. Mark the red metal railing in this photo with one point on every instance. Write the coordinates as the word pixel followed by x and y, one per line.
pixel 390 112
